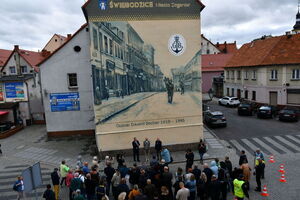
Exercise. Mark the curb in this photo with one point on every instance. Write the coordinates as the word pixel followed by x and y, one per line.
pixel 211 132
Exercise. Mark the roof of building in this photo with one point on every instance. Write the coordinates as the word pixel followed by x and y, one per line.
pixel 63 38
pixel 4 55
pixel 69 39
pixel 22 77
pixel 31 57
pixel 214 62
pixel 278 50
pixel 227 47
pixel 202 35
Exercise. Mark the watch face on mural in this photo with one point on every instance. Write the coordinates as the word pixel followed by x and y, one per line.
pixel 145 64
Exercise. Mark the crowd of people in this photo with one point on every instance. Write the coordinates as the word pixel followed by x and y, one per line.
pixel 153 180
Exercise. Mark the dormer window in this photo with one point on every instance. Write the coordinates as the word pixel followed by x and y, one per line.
pixel 23 69
pixel 12 70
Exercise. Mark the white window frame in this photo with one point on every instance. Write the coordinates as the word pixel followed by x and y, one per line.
pixel 24 67
pixel 274 75
pixel 296 74
pixel 12 67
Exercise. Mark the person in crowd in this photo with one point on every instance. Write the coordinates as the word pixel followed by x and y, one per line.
pixel 259 154
pixel 95 175
pixel 136 149
pixel 76 183
pixel 214 168
pixel 243 158
pixel 223 177
pixel 201 149
pixel 179 174
pixel 165 155
pixel 109 172
pixel 214 188
pixel 19 188
pixel 122 196
pixel 55 182
pixel 100 190
pixel 69 178
pixel 86 168
pixel 189 156
pixel 147 149
pixel 240 189
pixel 79 163
pixel 115 181
pixel 95 162
pixel 49 194
pixel 176 184
pixel 259 170
pixel 165 193
pixel 120 160
pixel 134 175
pixel 197 172
pixel 191 185
pixel 149 190
pixel 64 169
pixel 89 187
pixel 202 189
pixel 183 193
pixel 166 180
pixel 246 173
pixel 123 187
pixel 78 195
pixel 153 161
pixel 134 192
pixel 208 172
pixel 142 179
pixel 158 148
pixel 141 196
pixel 188 174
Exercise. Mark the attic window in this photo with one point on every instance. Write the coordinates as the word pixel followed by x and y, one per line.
pixel 55 40
pixel 72 80
pixel 77 48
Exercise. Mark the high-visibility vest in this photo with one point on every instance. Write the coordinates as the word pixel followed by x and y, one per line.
pixel 238 191
pixel 256 162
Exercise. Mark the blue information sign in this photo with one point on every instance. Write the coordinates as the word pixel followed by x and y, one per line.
pixel 14 90
pixel 64 102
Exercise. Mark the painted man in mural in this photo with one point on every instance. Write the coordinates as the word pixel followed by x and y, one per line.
pixel 170 89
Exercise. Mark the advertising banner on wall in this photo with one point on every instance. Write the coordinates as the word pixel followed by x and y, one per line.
pixel 64 102
pixel 14 90
pixel 149 74
pixel 1 92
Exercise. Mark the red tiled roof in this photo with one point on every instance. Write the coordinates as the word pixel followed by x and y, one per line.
pixel 214 62
pixel 270 51
pixel 69 39
pixel 227 47
pixel 4 55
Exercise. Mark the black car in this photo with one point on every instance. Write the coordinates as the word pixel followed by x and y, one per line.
pixel 266 112
pixel 215 118
pixel 245 109
pixel 289 114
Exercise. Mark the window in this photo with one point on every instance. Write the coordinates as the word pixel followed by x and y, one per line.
pixel 246 94
pixel 23 69
pixel 254 75
pixel 232 92
pixel 105 44
pixel 254 95
pixel 246 75
pixel 110 47
pixel 122 53
pixel 72 78
pixel 95 39
pixel 12 70
pixel 207 51
pixel 273 74
pixel 100 41
pixel 239 75
pixel 227 92
pixel 296 74
pixel 227 75
pixel 232 75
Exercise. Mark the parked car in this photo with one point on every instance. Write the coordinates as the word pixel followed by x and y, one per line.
pixel 245 109
pixel 289 114
pixel 229 101
pixel 215 118
pixel 266 112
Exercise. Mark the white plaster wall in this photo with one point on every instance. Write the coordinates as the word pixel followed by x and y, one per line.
pixel 53 74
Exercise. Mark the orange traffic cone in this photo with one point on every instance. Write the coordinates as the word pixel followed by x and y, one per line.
pixel 271 159
pixel 281 168
pixel 265 192
pixel 282 179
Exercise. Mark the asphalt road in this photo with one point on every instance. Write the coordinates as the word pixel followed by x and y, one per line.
pixel 239 127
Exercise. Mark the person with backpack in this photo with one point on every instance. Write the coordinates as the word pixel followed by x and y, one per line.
pixel 49 194
pixel 100 190
pixel 19 187
pixel 201 149
pixel 76 184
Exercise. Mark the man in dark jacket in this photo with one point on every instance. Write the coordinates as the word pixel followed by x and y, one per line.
pixel 55 182
pixel 90 187
pixel 189 156
pixel 208 172
pixel 259 168
pixel 109 172
pixel 158 148
pixel 166 179
pixel 49 194
pixel 123 187
pixel 214 188
pixel 136 149
pixel 197 172
pixel 243 158
pixel 149 190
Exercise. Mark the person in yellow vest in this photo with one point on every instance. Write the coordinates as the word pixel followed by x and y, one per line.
pixel 240 189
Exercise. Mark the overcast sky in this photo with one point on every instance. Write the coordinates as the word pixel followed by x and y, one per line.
pixel 31 23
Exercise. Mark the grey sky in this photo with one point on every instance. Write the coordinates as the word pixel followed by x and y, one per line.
pixel 31 23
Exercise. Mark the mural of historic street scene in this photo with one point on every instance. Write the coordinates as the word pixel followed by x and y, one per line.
pixel 137 78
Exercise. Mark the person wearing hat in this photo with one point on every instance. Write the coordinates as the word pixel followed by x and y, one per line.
pixel 240 188
pixel 78 195
pixel 55 182
pixel 259 170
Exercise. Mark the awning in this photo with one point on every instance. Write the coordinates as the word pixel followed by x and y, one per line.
pixel 3 113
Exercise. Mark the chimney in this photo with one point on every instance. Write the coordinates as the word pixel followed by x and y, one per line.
pixel 45 53
pixel 69 36
pixel 218 44
pixel 16 47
